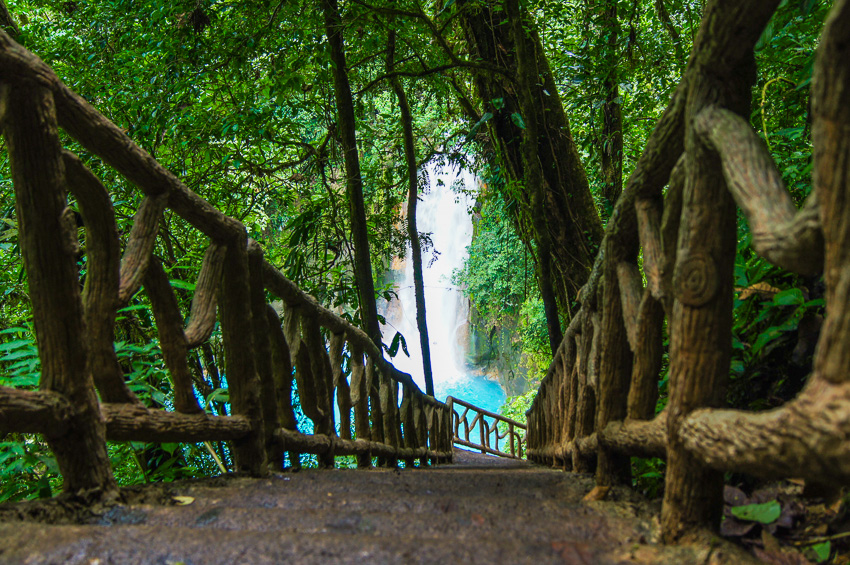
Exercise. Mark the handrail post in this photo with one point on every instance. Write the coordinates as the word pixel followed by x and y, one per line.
pixel 47 235
pixel 238 336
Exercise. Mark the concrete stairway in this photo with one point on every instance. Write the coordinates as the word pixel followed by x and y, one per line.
pixel 479 510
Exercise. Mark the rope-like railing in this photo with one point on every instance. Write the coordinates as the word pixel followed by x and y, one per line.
pixel 488 428
pixel 668 256
pixel 266 359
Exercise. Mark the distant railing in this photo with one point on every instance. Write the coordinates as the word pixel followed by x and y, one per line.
pixel 267 359
pixel 489 433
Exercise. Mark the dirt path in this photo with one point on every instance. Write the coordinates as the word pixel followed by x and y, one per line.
pixel 480 510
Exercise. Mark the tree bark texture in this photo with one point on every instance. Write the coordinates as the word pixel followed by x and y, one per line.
pixel 132 422
pixel 611 150
pixel 787 238
pixel 806 437
pixel 263 354
pixel 614 372
pixel 172 340
pixel 530 108
pixel 35 412
pixel 204 299
pixel 7 21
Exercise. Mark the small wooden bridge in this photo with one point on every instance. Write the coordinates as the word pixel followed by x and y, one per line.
pixel 667 258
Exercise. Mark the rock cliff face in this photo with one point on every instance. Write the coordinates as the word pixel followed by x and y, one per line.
pixel 497 353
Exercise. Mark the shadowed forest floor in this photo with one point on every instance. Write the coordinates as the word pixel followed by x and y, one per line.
pixel 479 510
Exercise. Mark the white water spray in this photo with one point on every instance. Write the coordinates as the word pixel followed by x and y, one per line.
pixel 444 214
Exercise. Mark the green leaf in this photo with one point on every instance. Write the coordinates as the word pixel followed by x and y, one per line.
pixel 766 36
pixel 517 119
pixel 822 551
pixel 447 6
pixel 789 297
pixel 398 340
pixel 14 344
pixel 219 394
pixel 134 307
pixel 765 513
pixel 169 447
pixel 478 124
pixel 20 353
pixel 177 283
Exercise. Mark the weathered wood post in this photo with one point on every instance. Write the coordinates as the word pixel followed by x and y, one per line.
pixel 263 356
pixel 360 399
pixel 282 375
pixel 47 235
pixel 700 330
pixel 238 336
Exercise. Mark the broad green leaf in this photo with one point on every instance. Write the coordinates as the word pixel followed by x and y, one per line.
pixel 789 297
pixel 765 513
pixel 170 447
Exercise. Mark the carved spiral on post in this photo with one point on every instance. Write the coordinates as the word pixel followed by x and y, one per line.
pixel 695 279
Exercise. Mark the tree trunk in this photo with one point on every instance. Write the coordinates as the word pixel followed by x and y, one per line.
pixel 354 182
pixel 612 116
pixel 527 67
pixel 571 219
pixel 412 233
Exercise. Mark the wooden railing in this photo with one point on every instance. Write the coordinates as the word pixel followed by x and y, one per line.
pixel 670 255
pixel 75 330
pixel 490 428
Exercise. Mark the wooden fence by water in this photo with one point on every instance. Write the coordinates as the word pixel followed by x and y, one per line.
pixel 486 430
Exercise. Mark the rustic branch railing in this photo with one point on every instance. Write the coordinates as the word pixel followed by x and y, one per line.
pixel 75 330
pixel 597 403
pixel 490 433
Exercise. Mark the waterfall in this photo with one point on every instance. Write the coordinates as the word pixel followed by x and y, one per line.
pixel 444 214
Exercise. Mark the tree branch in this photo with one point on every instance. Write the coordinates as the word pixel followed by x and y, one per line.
pixel 787 238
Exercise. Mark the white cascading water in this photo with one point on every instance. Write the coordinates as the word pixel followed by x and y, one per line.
pixel 444 214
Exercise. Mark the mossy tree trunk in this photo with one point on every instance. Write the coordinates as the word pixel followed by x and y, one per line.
pixel 567 220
